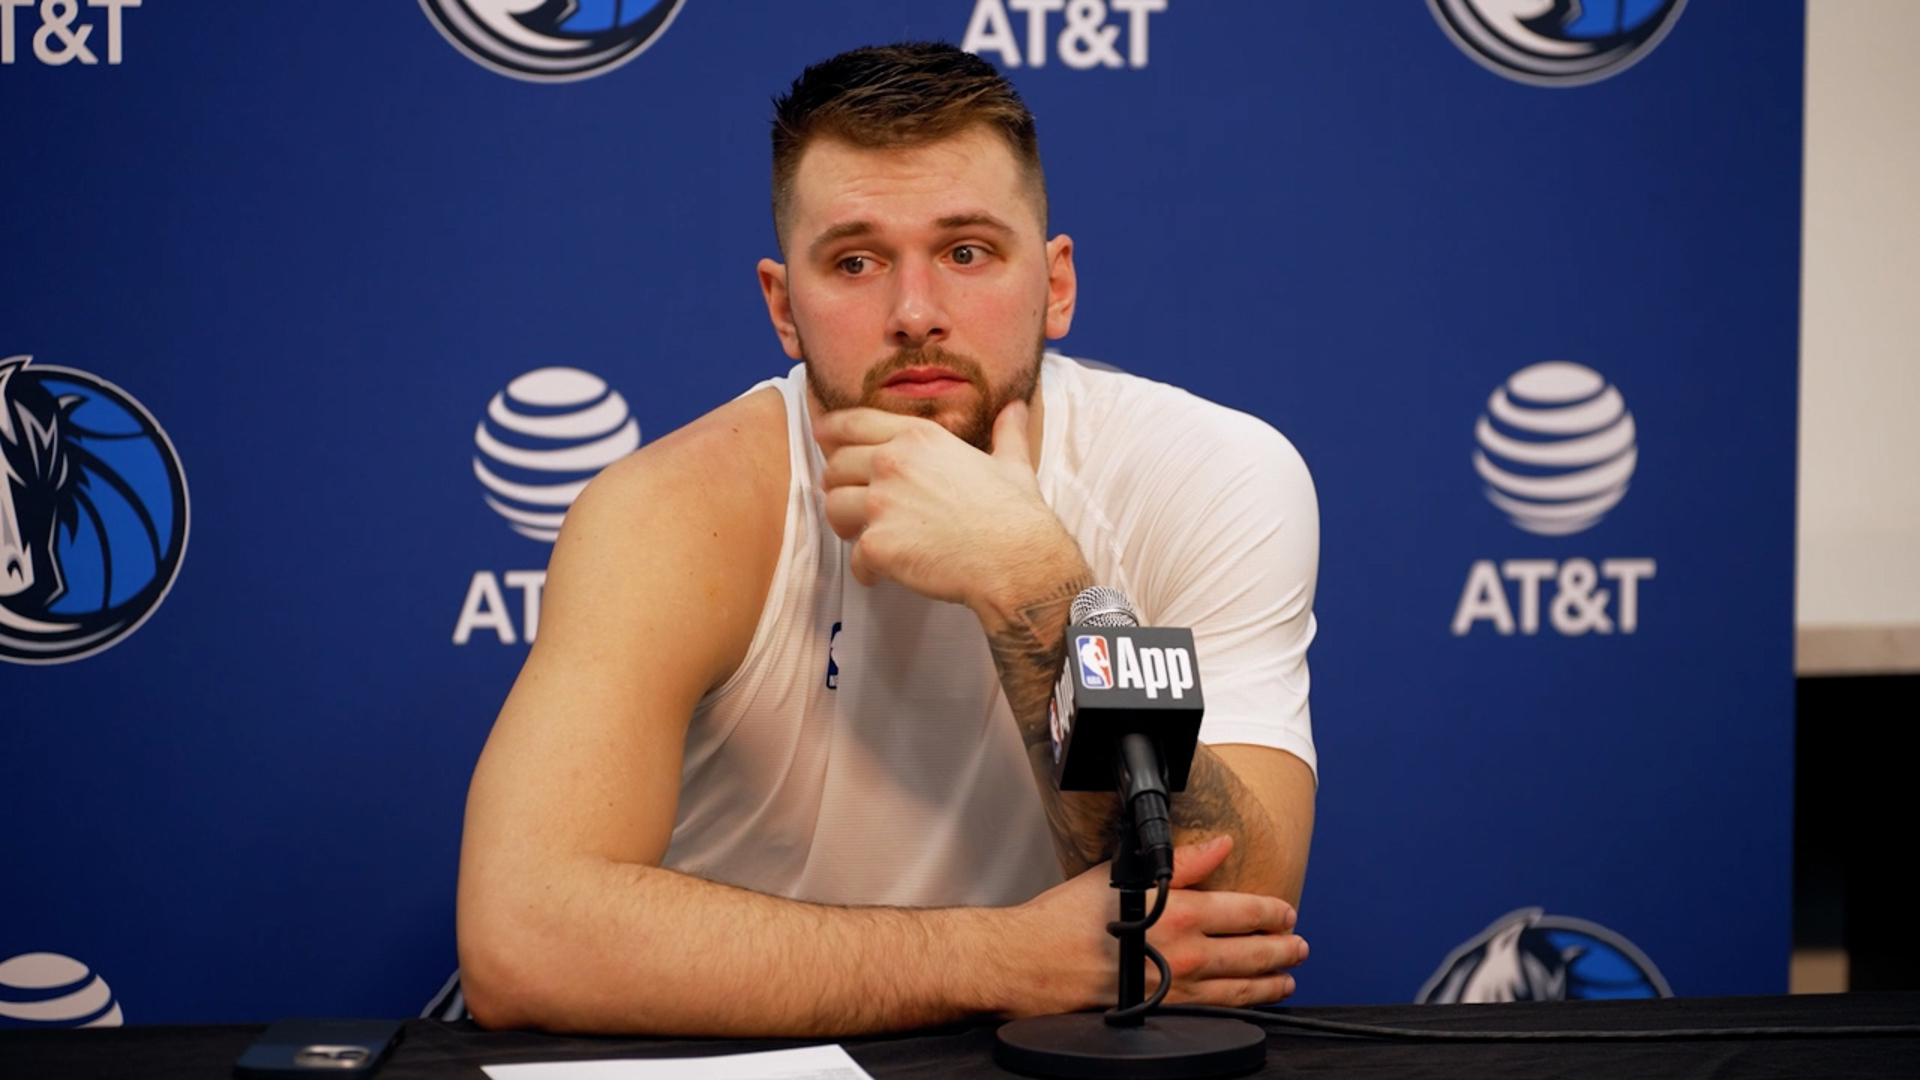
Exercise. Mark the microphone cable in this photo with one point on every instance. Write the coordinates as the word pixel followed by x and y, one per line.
pixel 1116 1016
pixel 1279 1018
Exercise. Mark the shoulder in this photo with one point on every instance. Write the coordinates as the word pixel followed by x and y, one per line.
pixel 1162 431
pixel 730 465
pixel 677 542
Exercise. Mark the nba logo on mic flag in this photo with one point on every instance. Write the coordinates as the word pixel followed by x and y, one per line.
pixel 1095 672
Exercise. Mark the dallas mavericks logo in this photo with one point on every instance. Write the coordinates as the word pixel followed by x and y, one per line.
pixel 93 513
pixel 551 40
pixel 1557 42
pixel 1529 955
pixel 1556 448
pixel 49 990
pixel 544 437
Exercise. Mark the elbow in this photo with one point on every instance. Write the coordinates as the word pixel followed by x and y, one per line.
pixel 495 980
pixel 509 977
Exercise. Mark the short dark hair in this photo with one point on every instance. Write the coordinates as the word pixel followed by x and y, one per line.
pixel 884 97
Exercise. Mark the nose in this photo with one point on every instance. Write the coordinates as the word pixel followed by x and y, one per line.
pixel 918 317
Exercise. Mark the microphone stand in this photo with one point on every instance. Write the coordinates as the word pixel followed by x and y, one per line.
pixel 1133 876
pixel 1096 1046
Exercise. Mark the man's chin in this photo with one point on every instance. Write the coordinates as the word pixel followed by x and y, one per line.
pixel 965 419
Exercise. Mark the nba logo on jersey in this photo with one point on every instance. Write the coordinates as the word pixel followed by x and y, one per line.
pixel 1095 672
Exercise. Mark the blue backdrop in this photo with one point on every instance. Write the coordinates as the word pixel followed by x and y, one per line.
pixel 314 241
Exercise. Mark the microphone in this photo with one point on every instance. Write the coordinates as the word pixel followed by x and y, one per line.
pixel 1127 718
pixel 1129 713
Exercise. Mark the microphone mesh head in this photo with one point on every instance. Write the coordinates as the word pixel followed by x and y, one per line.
pixel 1102 605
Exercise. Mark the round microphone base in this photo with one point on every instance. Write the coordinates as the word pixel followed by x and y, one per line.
pixel 1082 1046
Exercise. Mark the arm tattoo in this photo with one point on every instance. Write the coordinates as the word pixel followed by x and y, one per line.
pixel 1211 805
pixel 1028 651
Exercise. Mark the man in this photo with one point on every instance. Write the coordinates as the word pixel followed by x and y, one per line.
pixel 796 658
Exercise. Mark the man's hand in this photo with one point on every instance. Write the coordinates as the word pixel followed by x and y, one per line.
pixel 1224 948
pixel 934 514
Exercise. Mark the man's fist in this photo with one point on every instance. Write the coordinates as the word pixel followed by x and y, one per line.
pixel 928 511
pixel 1224 948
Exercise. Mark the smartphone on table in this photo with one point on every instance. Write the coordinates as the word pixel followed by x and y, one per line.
pixel 313 1049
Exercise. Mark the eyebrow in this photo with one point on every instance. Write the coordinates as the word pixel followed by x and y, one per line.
pixel 839 232
pixel 847 229
pixel 962 221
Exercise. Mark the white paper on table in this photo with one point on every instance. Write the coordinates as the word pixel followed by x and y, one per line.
pixel 804 1063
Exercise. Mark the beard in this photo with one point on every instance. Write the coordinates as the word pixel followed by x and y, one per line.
pixel 973 425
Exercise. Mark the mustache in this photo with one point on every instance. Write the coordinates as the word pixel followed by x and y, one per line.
pixel 921 356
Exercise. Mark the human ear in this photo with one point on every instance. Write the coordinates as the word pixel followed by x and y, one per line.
pixel 1062 286
pixel 773 286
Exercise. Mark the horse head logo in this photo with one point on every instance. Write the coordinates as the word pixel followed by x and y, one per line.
pixel 1557 42
pixel 1528 955
pixel 93 513
pixel 35 472
pixel 551 40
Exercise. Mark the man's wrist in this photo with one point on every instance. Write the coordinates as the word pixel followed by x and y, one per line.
pixel 1008 962
pixel 978 976
pixel 1050 573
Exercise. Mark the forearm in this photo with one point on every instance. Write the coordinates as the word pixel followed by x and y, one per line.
pixel 1026 634
pixel 1028 642
pixel 1270 834
pixel 604 946
pixel 1265 858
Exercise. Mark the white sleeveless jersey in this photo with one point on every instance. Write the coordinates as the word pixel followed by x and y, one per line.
pixel 864 752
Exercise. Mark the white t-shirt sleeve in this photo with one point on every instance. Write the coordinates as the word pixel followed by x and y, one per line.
pixel 1231 550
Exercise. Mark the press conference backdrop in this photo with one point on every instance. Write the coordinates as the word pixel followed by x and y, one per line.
pixel 327 310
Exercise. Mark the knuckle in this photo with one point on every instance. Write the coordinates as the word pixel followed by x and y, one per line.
pixel 1284 955
pixel 1253 992
pixel 1282 915
pixel 1247 911
pixel 1185 963
pixel 1179 920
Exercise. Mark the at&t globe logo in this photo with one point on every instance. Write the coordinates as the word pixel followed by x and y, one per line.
pixel 551 40
pixel 45 989
pixel 542 439
pixel 93 513
pixel 1557 42
pixel 1556 448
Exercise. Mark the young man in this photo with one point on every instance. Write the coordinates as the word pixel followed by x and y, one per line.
pixel 796 658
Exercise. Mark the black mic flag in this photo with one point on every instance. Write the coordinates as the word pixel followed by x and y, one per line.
pixel 1122 679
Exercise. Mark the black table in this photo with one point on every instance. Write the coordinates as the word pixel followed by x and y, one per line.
pixel 438 1051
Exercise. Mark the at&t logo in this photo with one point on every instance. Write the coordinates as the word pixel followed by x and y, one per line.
pixel 551 40
pixel 93 513
pixel 1087 38
pixel 544 436
pixel 1557 42
pixel 43 989
pixel 62 38
pixel 1556 447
